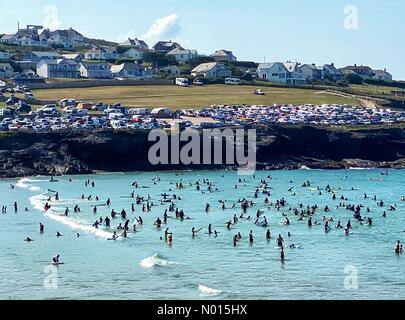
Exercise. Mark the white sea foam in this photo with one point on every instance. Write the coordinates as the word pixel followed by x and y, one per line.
pixel 155 260
pixel 208 291
pixel 38 202
pixel 305 168
pixel 24 184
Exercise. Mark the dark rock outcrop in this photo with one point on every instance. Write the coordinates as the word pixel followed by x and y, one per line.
pixel 24 154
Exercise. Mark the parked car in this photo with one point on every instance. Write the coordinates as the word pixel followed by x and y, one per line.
pixel 198 82
pixel 12 100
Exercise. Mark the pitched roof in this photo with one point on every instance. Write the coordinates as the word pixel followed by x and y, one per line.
pixel 134 42
pixel 127 66
pixel 221 53
pixel 205 67
pixel 180 50
pixel 41 54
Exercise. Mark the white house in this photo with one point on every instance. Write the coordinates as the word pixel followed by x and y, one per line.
pixel 58 68
pixel 8 39
pixel 382 75
pixel 211 70
pixel 127 70
pixel 4 55
pixel 104 53
pixel 6 71
pixel 311 72
pixel 171 70
pixel 284 73
pixel 329 71
pixel 133 53
pixel 95 70
pixel 183 55
pixel 223 55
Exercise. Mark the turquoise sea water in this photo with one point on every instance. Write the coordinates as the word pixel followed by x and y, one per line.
pixel 143 266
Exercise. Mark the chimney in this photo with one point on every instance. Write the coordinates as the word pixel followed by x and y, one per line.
pixel 332 64
pixel 385 69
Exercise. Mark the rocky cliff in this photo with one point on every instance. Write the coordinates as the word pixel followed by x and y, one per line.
pixel 25 154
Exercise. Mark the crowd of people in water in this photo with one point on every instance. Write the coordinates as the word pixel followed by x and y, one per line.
pixel 314 215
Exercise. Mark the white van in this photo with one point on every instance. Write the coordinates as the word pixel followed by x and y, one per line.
pixel 183 82
pixel 233 81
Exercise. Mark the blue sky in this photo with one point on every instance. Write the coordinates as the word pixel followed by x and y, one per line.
pixel 309 31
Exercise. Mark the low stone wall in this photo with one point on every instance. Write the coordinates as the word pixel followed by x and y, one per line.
pixel 99 83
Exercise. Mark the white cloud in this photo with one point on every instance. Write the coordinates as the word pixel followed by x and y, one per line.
pixel 51 17
pixel 163 29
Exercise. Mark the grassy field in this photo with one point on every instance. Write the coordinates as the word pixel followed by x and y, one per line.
pixel 192 97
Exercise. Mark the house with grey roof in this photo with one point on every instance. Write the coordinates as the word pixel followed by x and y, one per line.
pixel 68 38
pixel 134 53
pixel 363 71
pixel 311 72
pixel 103 53
pixel 136 43
pixel 183 55
pixel 127 70
pixel 8 39
pixel 223 55
pixel 166 46
pixel 329 71
pixel 95 69
pixel 42 55
pixel 211 70
pixel 58 68
pixel 6 71
pixel 74 56
pixel 382 75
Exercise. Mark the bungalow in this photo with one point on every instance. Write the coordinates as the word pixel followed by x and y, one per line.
pixel 330 72
pixel 4 55
pixel 6 71
pixel 95 70
pixel 171 70
pixel 166 46
pixel 311 72
pixel 127 70
pixel 42 55
pixel 183 55
pixel 223 55
pixel 137 43
pixel 133 53
pixel 211 70
pixel 382 75
pixel 58 68
pixel 104 53
pixel 285 73
pixel 73 56
pixel 363 71
pixel 8 39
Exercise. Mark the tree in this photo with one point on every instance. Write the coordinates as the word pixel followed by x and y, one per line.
pixel 354 78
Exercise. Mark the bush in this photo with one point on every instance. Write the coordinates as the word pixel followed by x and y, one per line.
pixel 353 78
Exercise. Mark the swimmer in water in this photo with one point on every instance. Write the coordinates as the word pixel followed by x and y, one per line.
pixel 398 247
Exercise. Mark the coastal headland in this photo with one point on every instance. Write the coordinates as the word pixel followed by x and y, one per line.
pixel 278 147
